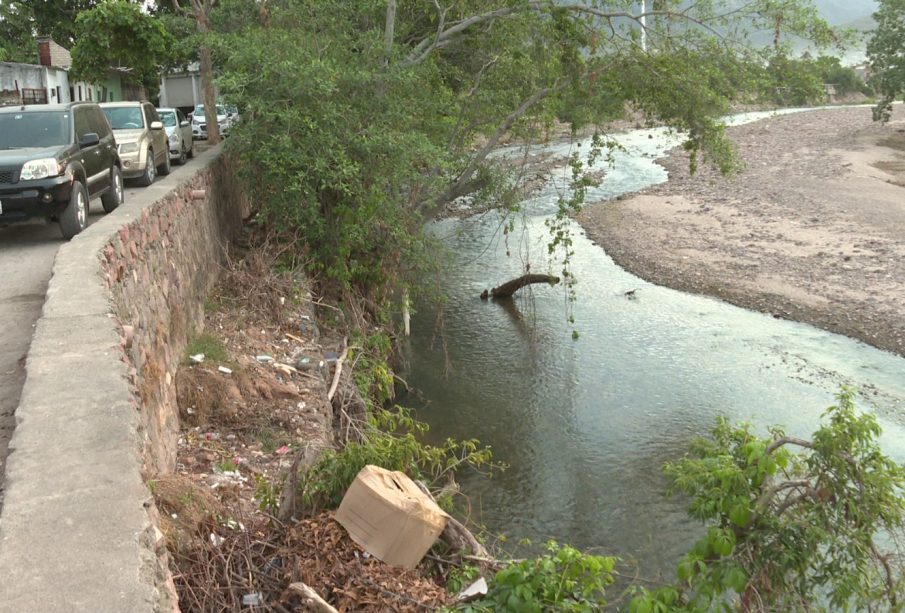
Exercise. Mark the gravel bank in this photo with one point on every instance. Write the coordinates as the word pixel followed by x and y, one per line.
pixel 812 230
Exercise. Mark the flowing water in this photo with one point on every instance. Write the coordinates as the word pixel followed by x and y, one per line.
pixel 585 425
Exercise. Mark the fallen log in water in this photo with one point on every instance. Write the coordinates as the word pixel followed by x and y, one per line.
pixel 510 287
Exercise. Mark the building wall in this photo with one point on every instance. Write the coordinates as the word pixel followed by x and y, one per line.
pixel 57 82
pixel 15 77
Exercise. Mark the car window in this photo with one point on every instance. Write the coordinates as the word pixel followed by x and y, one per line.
pixel 125 117
pixel 168 118
pixel 82 122
pixel 152 113
pixel 99 122
pixel 180 116
pixel 44 129
pixel 146 109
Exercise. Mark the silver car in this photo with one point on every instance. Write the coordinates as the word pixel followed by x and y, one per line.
pixel 140 138
pixel 199 121
pixel 179 134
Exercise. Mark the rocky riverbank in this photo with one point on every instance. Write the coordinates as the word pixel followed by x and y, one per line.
pixel 813 228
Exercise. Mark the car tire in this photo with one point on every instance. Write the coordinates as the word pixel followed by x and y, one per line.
pixel 150 170
pixel 74 217
pixel 115 195
pixel 164 169
pixel 182 155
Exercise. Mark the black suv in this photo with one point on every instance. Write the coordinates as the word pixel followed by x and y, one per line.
pixel 53 160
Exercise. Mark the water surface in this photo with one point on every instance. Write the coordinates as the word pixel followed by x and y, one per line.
pixel 586 424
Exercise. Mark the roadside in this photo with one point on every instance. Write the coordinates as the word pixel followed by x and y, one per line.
pixel 812 230
pixel 27 253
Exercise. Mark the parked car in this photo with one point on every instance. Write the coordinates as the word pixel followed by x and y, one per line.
pixel 142 140
pixel 179 134
pixel 199 121
pixel 234 117
pixel 54 159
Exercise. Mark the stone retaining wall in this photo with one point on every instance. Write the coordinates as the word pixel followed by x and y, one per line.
pixel 97 415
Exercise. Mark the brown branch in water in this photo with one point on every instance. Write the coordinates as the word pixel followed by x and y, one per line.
pixel 510 287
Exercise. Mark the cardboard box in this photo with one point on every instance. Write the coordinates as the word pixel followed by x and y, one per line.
pixel 390 517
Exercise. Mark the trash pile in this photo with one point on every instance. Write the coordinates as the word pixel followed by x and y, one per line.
pixel 246 413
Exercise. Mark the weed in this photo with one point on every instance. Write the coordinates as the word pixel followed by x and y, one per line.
pixel 208 344
pixel 271 440
pixel 227 466
pixel 391 442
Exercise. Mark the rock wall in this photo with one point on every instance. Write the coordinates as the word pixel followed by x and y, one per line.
pixel 97 415
pixel 159 269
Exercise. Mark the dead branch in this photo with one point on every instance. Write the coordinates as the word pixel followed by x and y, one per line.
pixel 339 369
pixel 510 287
pixel 311 598
pixel 456 535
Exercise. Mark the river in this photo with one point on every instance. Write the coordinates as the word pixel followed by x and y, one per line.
pixel 585 424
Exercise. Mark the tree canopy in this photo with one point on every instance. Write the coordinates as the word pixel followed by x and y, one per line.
pixel 117 33
pixel 886 50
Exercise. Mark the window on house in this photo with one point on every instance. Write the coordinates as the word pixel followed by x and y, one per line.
pixel 80 93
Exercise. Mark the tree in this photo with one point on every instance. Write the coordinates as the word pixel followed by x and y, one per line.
pixel 369 116
pixel 17 32
pixel 201 12
pixel 886 51
pixel 57 18
pixel 791 522
pixel 119 34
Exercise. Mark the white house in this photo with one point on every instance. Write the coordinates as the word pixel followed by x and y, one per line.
pixel 48 81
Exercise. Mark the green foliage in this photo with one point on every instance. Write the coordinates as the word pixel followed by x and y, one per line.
pixel 563 579
pixel 208 344
pixel 17 33
pixel 373 375
pixel 461 578
pixel 391 440
pixel 119 33
pixel 267 495
pixel 886 50
pixel 788 81
pixel 789 529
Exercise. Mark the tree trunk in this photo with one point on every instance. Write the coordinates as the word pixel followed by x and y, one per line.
pixel 207 83
pixel 510 287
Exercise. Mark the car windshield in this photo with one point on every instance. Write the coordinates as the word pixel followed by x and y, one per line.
pixel 168 118
pixel 199 110
pixel 44 129
pixel 125 118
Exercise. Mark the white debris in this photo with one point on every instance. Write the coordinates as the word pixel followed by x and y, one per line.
pixel 225 370
pixel 197 358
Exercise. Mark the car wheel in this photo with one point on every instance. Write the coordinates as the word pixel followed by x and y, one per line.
pixel 164 169
pixel 74 217
pixel 150 170
pixel 182 155
pixel 114 196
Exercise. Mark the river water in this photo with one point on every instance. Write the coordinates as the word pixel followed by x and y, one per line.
pixel 585 424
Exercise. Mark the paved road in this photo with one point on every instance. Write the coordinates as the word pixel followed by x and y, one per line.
pixel 27 253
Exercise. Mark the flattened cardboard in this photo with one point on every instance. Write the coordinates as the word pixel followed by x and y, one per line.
pixel 393 520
